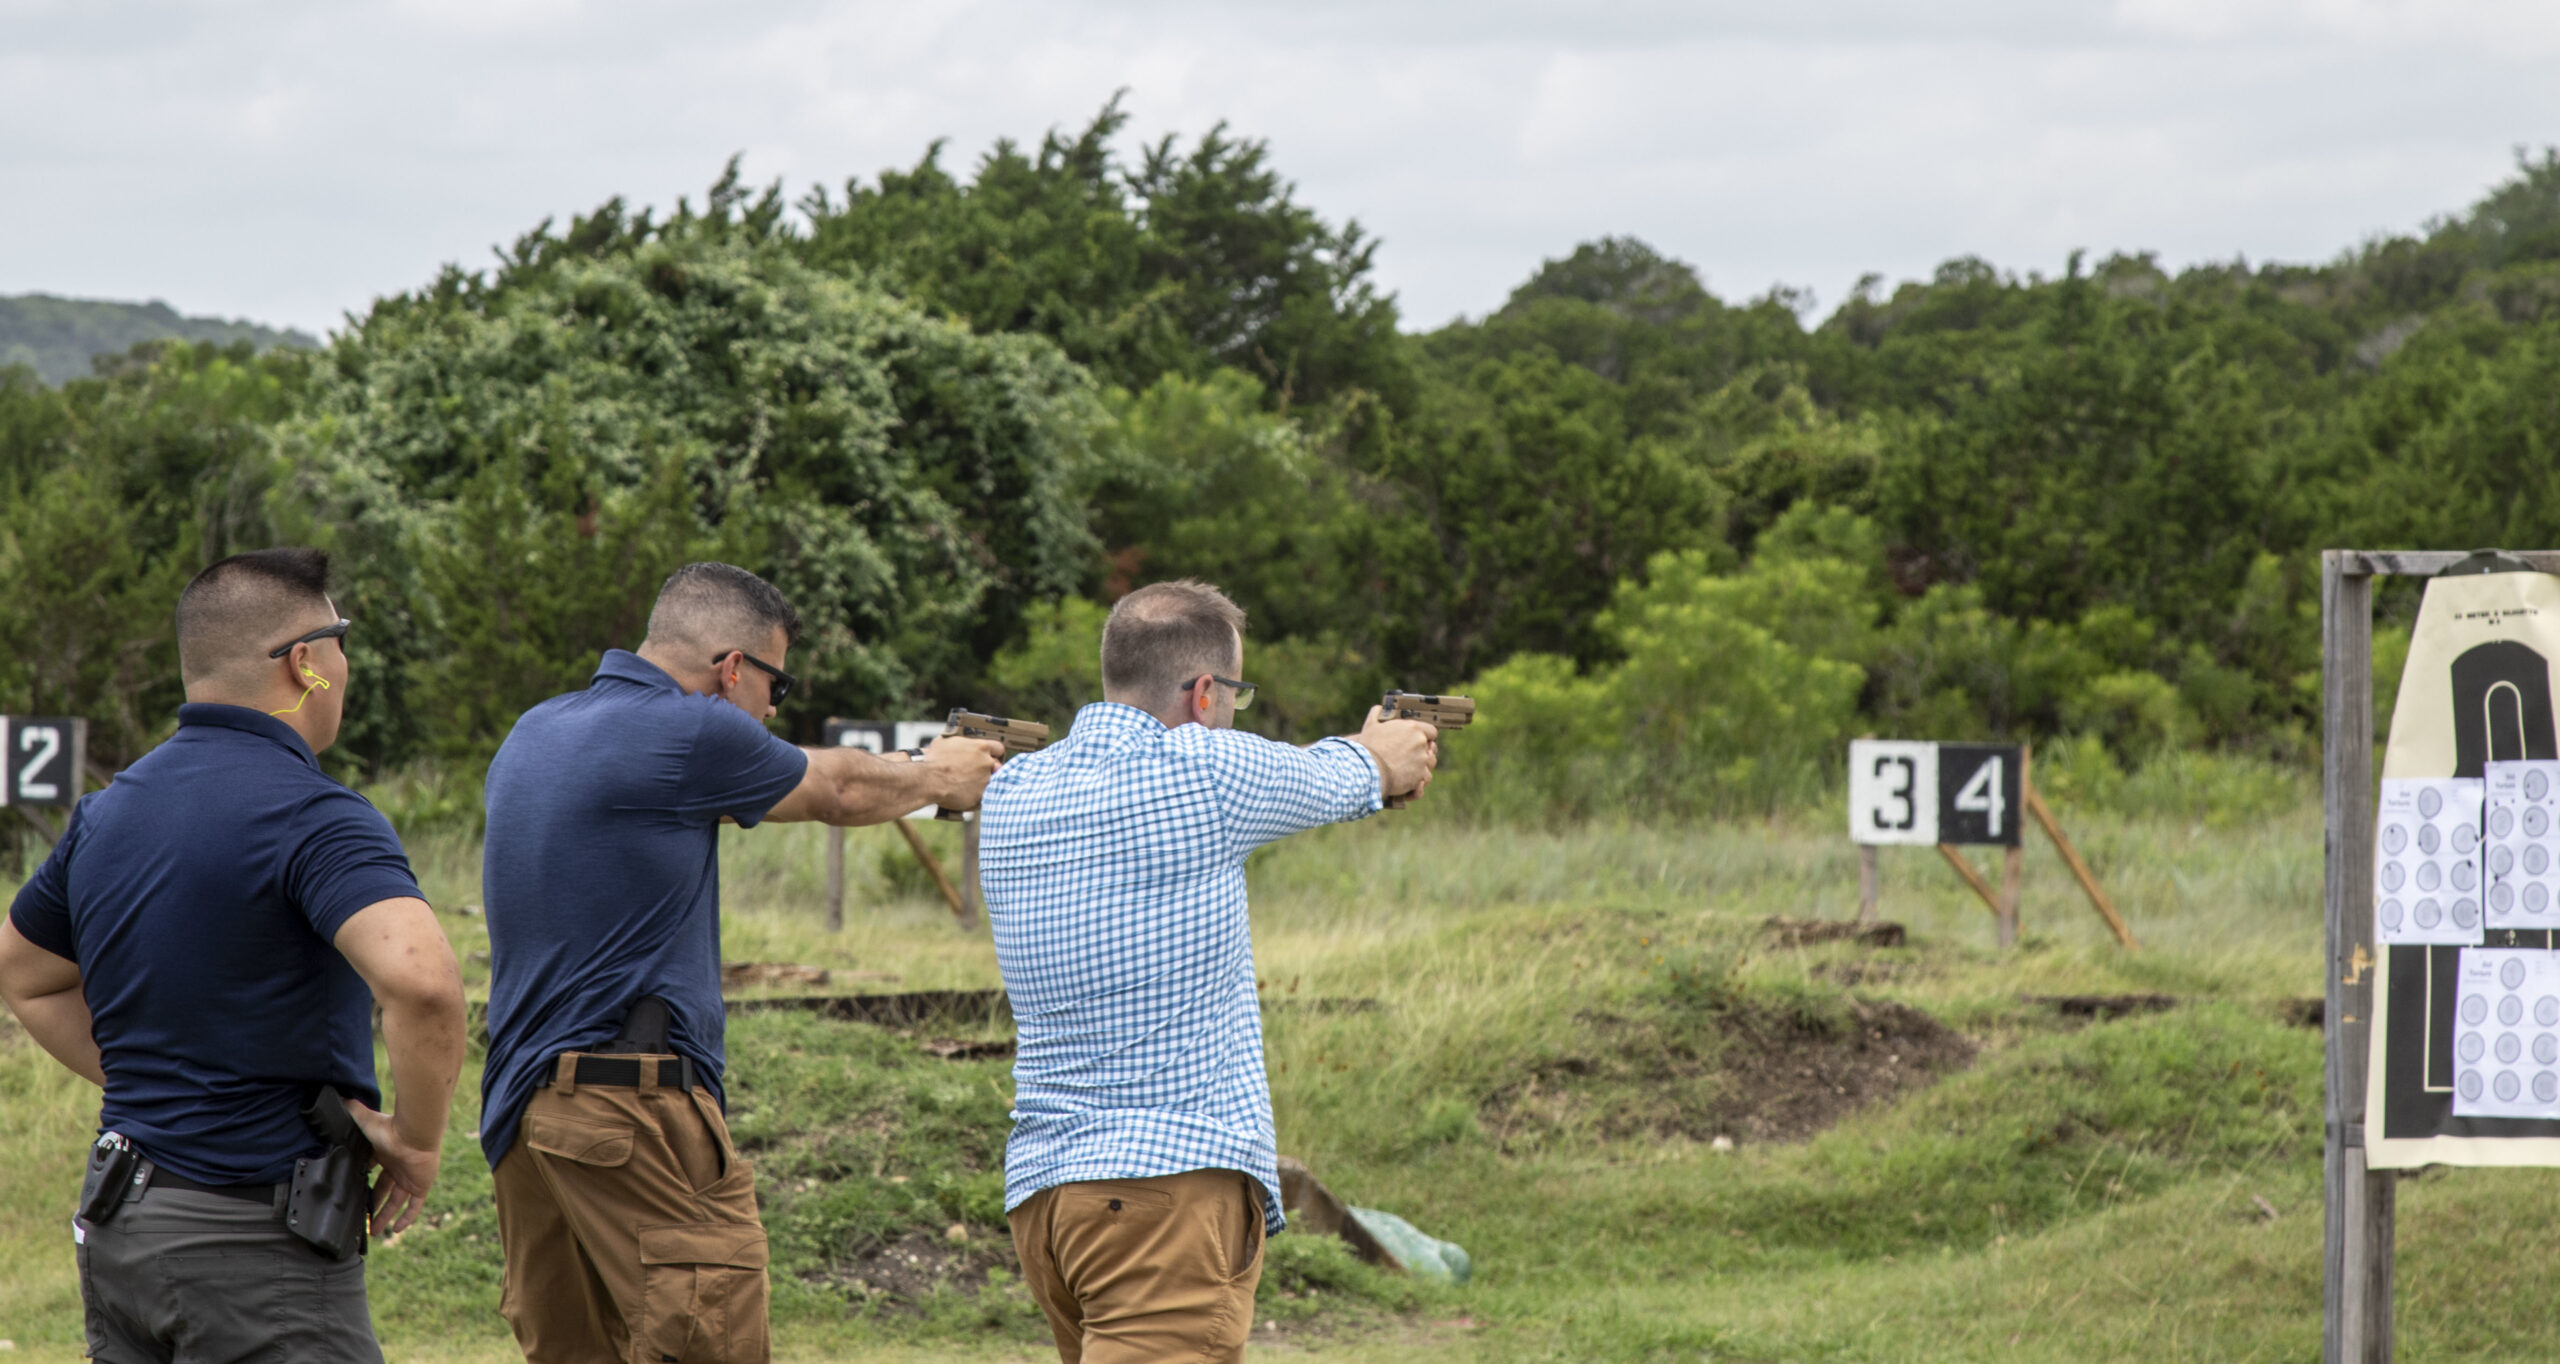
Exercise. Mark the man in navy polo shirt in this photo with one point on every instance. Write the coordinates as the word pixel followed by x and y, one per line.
pixel 628 1220
pixel 208 942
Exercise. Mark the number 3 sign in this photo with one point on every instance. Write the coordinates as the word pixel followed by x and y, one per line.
pixel 39 759
pixel 1921 792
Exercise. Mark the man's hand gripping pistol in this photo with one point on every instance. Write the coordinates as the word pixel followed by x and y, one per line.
pixel 1017 736
pixel 1443 713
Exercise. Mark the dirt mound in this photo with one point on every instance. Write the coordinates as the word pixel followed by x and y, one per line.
pixel 1791 1077
pixel 1746 1070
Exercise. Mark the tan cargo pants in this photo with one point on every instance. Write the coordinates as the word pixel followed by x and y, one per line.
pixel 1145 1269
pixel 630 1230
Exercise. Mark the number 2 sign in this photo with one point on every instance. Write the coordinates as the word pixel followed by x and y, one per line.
pixel 39 757
pixel 1922 792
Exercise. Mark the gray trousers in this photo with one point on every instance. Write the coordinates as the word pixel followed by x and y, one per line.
pixel 180 1277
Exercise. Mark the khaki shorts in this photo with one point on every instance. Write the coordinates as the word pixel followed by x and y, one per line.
pixel 630 1230
pixel 1130 1270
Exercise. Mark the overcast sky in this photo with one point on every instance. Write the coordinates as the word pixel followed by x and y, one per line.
pixel 289 160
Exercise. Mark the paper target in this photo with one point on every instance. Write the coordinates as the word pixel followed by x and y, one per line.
pixel 2426 873
pixel 2520 853
pixel 2506 1034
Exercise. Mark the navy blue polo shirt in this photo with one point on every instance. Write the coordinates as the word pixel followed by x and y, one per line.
pixel 601 872
pixel 201 895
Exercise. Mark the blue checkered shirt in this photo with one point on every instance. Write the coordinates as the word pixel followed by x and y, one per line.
pixel 1113 867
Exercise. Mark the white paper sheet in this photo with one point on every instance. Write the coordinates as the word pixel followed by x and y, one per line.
pixel 2426 862
pixel 2506 1034
pixel 2520 854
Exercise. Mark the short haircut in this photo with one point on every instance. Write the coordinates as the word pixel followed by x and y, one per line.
pixel 238 608
pixel 1165 634
pixel 719 607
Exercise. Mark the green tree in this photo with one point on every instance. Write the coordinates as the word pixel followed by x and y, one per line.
pixel 910 485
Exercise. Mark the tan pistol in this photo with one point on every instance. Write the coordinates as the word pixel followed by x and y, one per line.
pixel 1441 712
pixel 1017 736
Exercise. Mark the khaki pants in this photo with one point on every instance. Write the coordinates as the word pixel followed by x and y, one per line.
pixel 1135 1270
pixel 630 1230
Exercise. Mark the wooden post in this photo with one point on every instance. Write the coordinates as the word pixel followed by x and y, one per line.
pixel 1870 883
pixel 2012 865
pixel 2356 1303
pixel 969 867
pixel 2079 869
pixel 835 878
pixel 79 768
pixel 959 909
pixel 1955 859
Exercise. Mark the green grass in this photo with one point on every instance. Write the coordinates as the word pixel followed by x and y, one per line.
pixel 2082 1192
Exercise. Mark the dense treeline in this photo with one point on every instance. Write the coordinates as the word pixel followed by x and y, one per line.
pixel 955 415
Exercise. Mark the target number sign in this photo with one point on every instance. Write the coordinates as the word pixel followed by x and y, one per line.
pixel 885 736
pixel 1923 792
pixel 40 758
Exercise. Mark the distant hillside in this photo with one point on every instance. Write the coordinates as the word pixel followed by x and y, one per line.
pixel 56 337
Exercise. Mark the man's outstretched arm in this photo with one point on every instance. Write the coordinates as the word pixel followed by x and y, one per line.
pixel 850 787
pixel 1269 790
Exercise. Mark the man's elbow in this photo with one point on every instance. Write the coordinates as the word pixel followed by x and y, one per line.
pixel 430 989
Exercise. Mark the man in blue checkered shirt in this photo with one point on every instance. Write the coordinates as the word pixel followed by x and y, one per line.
pixel 1140 1179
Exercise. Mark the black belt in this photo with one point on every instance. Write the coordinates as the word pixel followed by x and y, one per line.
pixel 165 1178
pixel 674 1072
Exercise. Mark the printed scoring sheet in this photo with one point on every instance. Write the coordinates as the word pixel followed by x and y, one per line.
pixel 2426 874
pixel 2506 1034
pixel 2519 864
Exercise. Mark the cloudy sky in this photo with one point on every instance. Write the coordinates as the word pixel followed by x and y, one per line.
pixel 289 160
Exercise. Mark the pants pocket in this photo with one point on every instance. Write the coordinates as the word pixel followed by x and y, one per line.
pixel 703 1295
pixel 1247 1256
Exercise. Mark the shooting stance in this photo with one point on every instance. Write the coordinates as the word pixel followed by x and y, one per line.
pixel 1141 1176
pixel 207 943
pixel 628 1221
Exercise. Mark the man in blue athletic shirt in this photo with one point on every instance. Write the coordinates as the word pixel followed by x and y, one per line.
pixel 628 1221
pixel 208 942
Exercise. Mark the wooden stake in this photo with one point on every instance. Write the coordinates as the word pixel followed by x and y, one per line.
pixel 1955 859
pixel 835 878
pixel 2012 867
pixel 1870 883
pixel 959 910
pixel 2080 872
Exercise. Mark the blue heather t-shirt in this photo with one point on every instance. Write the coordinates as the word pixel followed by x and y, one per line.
pixel 601 872
pixel 201 895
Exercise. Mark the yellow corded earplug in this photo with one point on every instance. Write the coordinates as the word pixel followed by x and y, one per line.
pixel 318 683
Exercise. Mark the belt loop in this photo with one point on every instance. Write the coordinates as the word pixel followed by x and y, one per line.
pixel 564 1078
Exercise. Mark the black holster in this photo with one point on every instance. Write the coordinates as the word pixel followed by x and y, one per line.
pixel 644 1030
pixel 113 1163
pixel 332 1193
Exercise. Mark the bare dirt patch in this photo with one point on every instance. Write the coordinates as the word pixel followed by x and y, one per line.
pixel 2103 1008
pixel 1791 1078
pixel 1786 932
pixel 904 1272
pixel 1746 1071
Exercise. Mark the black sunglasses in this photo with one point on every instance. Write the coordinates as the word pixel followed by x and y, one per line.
pixel 335 631
pixel 1244 690
pixel 783 682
